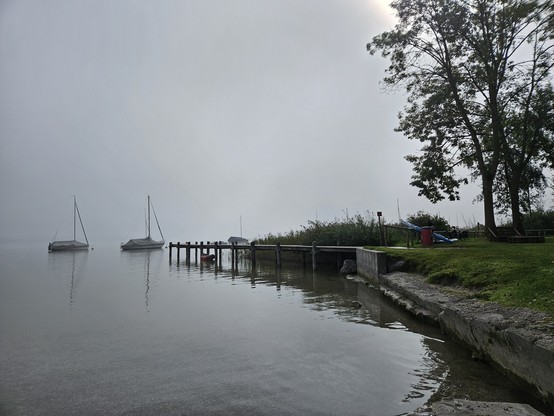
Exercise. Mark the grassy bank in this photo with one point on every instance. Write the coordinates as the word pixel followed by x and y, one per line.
pixel 509 274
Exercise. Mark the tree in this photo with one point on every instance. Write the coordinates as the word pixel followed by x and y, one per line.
pixel 467 66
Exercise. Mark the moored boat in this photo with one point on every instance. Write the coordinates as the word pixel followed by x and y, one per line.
pixel 147 242
pixel 69 245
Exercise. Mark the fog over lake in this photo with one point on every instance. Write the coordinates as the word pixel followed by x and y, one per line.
pixel 267 111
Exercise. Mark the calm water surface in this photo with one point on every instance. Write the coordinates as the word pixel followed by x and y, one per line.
pixel 107 332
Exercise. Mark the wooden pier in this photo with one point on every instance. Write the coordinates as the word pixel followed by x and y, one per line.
pixel 216 248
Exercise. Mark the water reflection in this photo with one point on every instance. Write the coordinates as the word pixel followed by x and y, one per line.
pixel 443 367
pixel 146 263
pixel 69 265
pixel 262 340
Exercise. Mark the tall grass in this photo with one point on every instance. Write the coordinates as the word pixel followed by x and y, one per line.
pixel 357 230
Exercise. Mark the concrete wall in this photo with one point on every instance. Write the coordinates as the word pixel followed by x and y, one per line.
pixel 371 263
pixel 520 341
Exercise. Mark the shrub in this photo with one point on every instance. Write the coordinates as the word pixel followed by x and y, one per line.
pixel 422 219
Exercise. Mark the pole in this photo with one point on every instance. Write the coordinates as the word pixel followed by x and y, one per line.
pixel 74 218
pixel 253 254
pixel 278 253
pixel 149 222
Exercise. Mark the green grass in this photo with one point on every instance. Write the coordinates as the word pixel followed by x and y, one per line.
pixel 509 274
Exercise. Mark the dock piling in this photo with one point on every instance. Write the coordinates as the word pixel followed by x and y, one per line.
pixel 253 254
pixel 314 248
pixel 278 254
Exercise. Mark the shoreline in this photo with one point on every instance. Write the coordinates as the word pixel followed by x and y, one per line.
pixel 518 341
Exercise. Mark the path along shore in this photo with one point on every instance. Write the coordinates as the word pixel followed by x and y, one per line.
pixel 518 341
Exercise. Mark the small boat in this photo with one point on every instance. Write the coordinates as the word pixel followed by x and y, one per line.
pixel 147 242
pixel 207 257
pixel 68 245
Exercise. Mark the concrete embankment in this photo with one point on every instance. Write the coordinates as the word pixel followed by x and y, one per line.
pixel 518 341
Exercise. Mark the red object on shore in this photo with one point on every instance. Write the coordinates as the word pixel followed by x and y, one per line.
pixel 207 257
pixel 427 236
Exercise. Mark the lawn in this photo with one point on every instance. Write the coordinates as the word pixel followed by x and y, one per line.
pixel 509 274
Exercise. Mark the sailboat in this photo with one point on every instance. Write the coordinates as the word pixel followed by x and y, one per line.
pixel 146 242
pixel 67 245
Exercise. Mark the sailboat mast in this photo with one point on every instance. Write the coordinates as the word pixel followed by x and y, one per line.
pixel 74 218
pixel 149 216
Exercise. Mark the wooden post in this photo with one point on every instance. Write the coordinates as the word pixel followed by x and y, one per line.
pixel 313 255
pixel 379 215
pixel 278 253
pixel 187 253
pixel 233 256
pixel 338 257
pixel 170 251
pixel 178 252
pixel 216 254
pixel 220 257
pixel 253 254
pixel 196 251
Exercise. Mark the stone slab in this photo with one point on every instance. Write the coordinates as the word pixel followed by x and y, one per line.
pixel 474 408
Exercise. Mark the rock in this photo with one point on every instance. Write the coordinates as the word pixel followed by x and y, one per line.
pixel 348 267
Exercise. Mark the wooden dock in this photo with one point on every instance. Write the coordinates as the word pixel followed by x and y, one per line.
pixel 216 248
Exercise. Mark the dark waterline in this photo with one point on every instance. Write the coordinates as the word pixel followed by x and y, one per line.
pixel 125 333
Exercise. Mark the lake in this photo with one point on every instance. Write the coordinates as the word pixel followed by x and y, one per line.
pixel 109 332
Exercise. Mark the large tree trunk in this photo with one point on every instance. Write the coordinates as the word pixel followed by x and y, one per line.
pixel 488 204
pixel 513 185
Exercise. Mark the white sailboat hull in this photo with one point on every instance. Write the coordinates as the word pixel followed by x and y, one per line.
pixel 142 244
pixel 67 245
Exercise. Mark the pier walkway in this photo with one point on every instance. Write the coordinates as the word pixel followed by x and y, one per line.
pixel 216 248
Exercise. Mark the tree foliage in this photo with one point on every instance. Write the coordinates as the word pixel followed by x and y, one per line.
pixel 478 77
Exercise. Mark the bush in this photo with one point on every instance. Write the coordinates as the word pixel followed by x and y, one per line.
pixel 423 219
pixel 539 220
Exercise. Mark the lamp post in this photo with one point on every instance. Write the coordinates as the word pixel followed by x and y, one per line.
pixel 379 215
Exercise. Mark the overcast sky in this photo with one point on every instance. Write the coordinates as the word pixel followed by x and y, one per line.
pixel 270 111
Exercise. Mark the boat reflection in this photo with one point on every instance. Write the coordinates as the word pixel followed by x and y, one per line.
pixel 69 265
pixel 146 263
